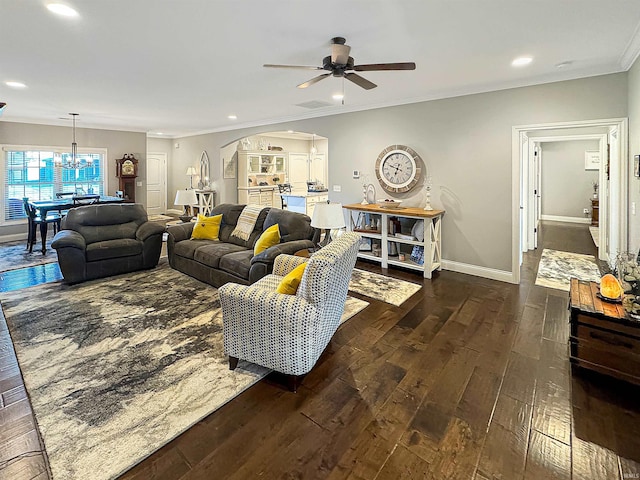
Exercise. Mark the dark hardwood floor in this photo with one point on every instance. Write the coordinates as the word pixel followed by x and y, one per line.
pixel 468 379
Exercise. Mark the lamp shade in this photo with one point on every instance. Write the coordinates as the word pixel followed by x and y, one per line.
pixel 327 216
pixel 186 197
pixel 191 171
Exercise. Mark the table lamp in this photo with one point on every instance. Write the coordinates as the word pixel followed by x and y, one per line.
pixel 191 172
pixel 327 216
pixel 186 198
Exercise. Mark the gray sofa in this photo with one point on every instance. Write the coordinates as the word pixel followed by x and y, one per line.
pixel 108 239
pixel 231 259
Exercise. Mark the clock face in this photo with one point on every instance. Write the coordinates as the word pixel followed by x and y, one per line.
pixel 397 169
pixel 128 167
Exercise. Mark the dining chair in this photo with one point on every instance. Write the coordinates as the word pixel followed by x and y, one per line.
pixel 34 220
pixel 284 188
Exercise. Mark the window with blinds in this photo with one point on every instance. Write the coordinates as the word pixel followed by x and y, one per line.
pixel 32 174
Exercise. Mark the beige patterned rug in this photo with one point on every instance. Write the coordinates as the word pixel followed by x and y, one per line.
pixel 115 368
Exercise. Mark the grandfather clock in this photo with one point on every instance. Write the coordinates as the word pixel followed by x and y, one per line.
pixel 127 171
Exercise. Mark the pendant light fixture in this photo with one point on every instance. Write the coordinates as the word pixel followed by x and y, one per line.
pixel 73 162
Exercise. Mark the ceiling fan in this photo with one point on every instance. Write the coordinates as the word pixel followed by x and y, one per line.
pixel 340 64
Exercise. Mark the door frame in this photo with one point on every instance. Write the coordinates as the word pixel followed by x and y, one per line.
pixel 163 193
pixel 518 173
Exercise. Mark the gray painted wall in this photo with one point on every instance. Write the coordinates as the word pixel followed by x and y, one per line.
pixel 465 143
pixel 634 149
pixel 567 187
pixel 117 144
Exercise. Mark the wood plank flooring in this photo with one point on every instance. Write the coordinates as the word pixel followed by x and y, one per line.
pixel 469 379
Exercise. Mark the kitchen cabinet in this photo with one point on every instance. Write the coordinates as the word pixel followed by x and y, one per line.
pixel 259 196
pixel 303 202
pixel 256 168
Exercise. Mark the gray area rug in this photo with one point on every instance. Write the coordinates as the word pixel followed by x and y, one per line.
pixel 116 368
pixel 13 255
pixel 381 287
pixel 556 269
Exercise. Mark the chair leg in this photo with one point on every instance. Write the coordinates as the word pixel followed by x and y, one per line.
pixel 32 235
pixel 293 382
pixel 233 362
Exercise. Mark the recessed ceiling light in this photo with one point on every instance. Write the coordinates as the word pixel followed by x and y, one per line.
pixel 159 133
pixel 289 131
pixel 521 61
pixel 15 84
pixel 232 117
pixel 62 9
pixel 338 96
pixel 564 64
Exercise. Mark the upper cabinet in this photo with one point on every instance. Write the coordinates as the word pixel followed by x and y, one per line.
pixel 261 168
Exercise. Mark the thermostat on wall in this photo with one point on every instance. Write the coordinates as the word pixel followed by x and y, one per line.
pixel 356 174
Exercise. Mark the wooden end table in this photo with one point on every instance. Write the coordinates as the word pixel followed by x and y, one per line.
pixel 603 337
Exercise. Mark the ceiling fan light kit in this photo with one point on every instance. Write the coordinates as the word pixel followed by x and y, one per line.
pixel 340 64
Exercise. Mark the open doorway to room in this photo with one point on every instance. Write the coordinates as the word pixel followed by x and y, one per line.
pixel 554 204
pixel 260 168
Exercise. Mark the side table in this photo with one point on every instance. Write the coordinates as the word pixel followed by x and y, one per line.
pixel 603 338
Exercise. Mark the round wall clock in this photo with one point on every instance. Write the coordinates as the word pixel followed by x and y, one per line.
pixel 398 169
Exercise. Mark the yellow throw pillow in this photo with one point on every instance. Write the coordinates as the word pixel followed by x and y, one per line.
pixel 206 228
pixel 269 238
pixel 289 284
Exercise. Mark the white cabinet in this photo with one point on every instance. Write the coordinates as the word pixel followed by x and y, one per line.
pixel 257 196
pixel 255 168
pixel 298 170
pixel 377 233
pixel 318 169
pixel 206 201
pixel 304 202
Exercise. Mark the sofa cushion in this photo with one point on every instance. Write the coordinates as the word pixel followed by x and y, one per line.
pixel 289 284
pixel 211 254
pixel 206 228
pixel 269 238
pixel 187 248
pixel 237 263
pixel 122 247
pixel 293 225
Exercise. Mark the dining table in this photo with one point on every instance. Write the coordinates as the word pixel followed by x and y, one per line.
pixel 67 203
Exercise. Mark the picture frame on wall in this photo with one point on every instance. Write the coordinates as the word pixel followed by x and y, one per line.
pixel 636 165
pixel 229 166
pixel 592 160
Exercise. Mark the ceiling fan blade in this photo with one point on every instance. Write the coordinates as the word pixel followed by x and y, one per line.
pixel 340 54
pixel 360 81
pixel 314 80
pixel 305 67
pixel 385 66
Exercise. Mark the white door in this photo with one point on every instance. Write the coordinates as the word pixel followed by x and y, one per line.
pixel 318 169
pixel 612 241
pixel 537 160
pixel 156 183
pixel 298 171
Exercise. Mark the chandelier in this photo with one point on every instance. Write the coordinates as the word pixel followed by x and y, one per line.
pixel 72 162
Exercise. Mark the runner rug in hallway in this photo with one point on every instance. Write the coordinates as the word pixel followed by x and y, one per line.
pixel 556 268
pixel 115 368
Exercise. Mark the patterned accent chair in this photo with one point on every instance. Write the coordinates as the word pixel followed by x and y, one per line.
pixel 287 333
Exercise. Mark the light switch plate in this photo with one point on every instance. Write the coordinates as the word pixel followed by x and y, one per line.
pixel 139 184
pixel 337 188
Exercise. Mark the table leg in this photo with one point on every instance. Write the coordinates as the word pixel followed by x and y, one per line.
pixel 43 234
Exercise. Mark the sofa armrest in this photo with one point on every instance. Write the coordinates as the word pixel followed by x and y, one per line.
pixel 68 238
pixel 285 263
pixel 148 229
pixel 289 248
pixel 180 232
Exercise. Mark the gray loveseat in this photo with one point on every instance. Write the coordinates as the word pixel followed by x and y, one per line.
pixel 109 239
pixel 231 259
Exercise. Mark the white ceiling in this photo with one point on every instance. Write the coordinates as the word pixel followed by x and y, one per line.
pixel 182 67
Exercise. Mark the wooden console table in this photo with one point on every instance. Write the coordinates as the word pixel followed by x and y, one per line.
pixel 432 243
pixel 602 337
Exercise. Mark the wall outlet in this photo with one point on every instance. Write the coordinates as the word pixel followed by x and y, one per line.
pixel 337 188
pixel 585 211
pixel 138 184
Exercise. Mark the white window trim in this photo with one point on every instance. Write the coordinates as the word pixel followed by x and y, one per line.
pixel 66 149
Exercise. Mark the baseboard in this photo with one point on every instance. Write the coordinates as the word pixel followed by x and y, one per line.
pixel 475 270
pixel 559 218
pixel 13 237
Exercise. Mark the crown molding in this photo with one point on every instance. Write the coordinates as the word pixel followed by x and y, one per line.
pixel 631 52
